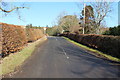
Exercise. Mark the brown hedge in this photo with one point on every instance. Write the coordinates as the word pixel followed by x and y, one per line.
pixel 0 38
pixel 107 44
pixel 33 34
pixel 14 38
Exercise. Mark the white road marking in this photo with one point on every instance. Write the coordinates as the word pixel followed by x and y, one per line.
pixel 56 39
pixel 65 53
pixel 63 50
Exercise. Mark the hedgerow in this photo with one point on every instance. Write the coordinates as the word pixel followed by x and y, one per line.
pixel 107 44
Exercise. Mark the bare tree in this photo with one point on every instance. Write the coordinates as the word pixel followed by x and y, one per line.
pixel 58 21
pixel 4 4
pixel 101 10
pixel 6 8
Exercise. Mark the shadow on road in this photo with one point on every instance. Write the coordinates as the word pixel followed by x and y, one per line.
pixel 94 65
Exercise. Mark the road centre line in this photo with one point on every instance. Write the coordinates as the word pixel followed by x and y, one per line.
pixel 63 50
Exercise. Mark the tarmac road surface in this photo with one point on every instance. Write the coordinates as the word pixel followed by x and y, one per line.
pixel 58 58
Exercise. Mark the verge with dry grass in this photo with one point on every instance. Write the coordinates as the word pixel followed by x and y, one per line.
pixel 12 61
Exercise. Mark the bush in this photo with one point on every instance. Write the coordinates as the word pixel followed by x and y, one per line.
pixel 107 44
pixel 14 38
pixel 33 34
pixel 113 31
pixel 0 38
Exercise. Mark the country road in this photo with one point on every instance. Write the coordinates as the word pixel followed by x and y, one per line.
pixel 58 58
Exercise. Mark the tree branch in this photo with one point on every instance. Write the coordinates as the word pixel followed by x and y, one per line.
pixel 11 9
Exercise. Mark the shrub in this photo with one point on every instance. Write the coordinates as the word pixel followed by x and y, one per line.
pixel 33 34
pixel 113 31
pixel 14 38
pixel 107 44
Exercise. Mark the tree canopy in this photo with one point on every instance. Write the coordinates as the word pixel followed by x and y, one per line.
pixel 68 22
pixel 113 31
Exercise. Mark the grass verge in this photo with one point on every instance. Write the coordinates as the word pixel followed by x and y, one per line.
pixel 94 50
pixel 10 63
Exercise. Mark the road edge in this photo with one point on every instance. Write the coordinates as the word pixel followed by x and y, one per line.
pixel 95 52
pixel 31 47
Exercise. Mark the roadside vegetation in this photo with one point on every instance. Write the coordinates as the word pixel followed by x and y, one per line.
pixel 16 39
pixel 89 29
pixel 96 52
pixel 18 43
pixel 13 61
pixel 113 31
pixel 89 21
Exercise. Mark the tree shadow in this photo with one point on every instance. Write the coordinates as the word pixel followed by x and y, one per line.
pixel 93 62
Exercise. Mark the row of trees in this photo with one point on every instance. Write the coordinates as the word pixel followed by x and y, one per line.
pixel 35 27
pixel 53 31
pixel 113 31
pixel 91 19
pixel 65 23
pixel 31 26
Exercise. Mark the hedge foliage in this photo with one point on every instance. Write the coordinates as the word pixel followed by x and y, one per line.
pixel 33 34
pixel 0 38
pixel 15 37
pixel 107 44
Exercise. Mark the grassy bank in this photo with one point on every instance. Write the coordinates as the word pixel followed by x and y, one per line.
pixel 96 52
pixel 14 60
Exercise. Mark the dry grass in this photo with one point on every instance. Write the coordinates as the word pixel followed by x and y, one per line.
pixel 93 50
pixel 14 60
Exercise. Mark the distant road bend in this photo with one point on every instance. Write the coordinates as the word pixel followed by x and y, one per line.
pixel 58 58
